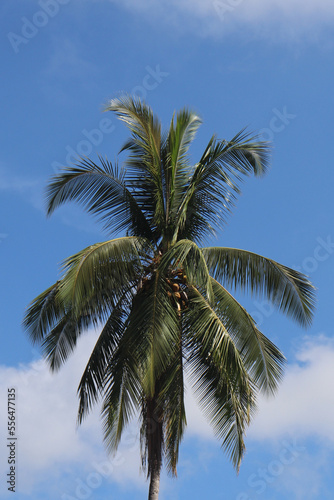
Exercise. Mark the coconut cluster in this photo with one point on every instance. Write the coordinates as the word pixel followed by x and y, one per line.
pixel 177 284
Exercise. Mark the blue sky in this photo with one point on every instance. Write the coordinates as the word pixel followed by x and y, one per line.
pixel 267 65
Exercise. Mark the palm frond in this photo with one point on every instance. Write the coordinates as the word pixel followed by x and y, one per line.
pixel 91 385
pixel 96 277
pixel 103 192
pixel 180 136
pixel 155 323
pixel 220 379
pixel 289 290
pixel 140 120
pixel 122 393
pixel 43 313
pixel 214 183
pixel 244 154
pixel 206 330
pixel 60 341
pixel 144 170
pixel 52 323
pixel 143 353
pixel 229 409
pixel 93 282
pixel 262 359
pixel 171 400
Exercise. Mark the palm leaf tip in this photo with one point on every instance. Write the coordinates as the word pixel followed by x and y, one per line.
pixel 259 158
pixel 289 290
pixel 307 293
pixel 43 313
pixel 247 154
pixel 257 152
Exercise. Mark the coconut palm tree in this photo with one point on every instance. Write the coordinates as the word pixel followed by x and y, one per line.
pixel 163 299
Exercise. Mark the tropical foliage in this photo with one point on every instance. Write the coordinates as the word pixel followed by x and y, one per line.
pixel 164 301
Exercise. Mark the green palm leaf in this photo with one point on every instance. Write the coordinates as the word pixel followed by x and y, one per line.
pixel 43 313
pixel 262 359
pixel 214 184
pixel 206 329
pixel 143 354
pixel 289 290
pixel 122 394
pixel 171 399
pixel 180 136
pixel 219 376
pixel 96 277
pixel 103 192
pixel 228 406
pixel 60 341
pixel 144 170
pixel 92 380
pixel 155 324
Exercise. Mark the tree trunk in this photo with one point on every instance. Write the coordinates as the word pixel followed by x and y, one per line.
pixel 154 443
pixel 153 493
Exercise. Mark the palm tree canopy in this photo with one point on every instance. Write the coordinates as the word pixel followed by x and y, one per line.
pixel 163 299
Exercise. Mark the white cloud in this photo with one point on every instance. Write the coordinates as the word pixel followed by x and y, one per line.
pixel 51 446
pixel 33 191
pixel 197 424
pixel 304 404
pixel 30 189
pixel 266 18
pixel 306 476
pixel 66 61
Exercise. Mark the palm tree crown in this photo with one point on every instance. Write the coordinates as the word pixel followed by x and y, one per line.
pixel 161 296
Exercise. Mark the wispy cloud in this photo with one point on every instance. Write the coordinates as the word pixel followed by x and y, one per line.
pixel 304 404
pixel 49 443
pixel 66 61
pixel 305 478
pixel 51 446
pixel 280 19
pixel 300 415
pixel 30 189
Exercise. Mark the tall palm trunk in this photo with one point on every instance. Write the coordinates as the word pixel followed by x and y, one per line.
pixel 153 493
pixel 154 440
